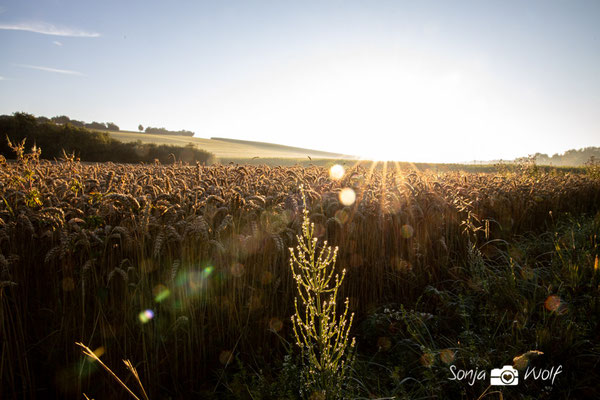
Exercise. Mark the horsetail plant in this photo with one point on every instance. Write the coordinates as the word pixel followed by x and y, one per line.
pixel 321 334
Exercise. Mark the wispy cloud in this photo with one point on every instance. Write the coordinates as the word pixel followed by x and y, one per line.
pixel 48 29
pixel 2 78
pixel 56 42
pixel 48 69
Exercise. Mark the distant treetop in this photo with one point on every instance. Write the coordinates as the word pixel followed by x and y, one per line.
pixel 63 120
pixel 568 158
pixel 164 131
pixel 107 126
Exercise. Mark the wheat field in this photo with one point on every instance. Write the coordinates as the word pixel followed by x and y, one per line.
pixel 184 269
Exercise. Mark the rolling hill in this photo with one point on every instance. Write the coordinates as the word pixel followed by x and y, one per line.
pixel 226 149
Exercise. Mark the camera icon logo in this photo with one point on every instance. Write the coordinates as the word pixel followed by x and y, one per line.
pixel 505 376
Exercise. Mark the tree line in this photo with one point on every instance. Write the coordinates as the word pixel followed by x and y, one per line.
pixel 56 139
pixel 63 120
pixel 568 158
pixel 165 131
pixel 109 126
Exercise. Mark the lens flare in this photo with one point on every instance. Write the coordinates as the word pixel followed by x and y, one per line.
pixel 336 172
pixel 225 357
pixel 161 293
pixel 347 196
pixel 237 269
pixel 407 231
pixel 146 316
pixel 194 280
pixel 427 360
pixel 554 304
pixel 207 271
pixel 447 356
pixel 275 324
pixel 99 351
pixel 521 362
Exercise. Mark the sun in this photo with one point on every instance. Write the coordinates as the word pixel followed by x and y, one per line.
pixel 393 149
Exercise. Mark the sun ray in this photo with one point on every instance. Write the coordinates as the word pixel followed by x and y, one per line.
pixel 383 185
pixel 400 174
pixel 366 182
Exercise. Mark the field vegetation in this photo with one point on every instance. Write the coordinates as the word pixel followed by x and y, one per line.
pixel 58 140
pixel 184 270
pixel 226 150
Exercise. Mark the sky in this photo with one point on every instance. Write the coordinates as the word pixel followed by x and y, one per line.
pixel 436 81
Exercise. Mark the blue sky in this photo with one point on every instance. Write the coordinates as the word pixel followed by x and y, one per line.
pixel 417 81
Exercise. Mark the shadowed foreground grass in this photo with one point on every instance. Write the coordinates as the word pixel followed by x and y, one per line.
pixel 184 270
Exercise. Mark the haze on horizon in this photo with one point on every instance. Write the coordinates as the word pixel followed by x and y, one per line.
pixel 415 81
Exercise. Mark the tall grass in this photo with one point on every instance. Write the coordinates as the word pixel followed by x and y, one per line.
pixel 184 269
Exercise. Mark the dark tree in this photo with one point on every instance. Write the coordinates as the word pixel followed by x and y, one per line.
pixel 95 125
pixel 79 124
pixel 140 127
pixel 61 119
pixel 165 131
pixel 23 118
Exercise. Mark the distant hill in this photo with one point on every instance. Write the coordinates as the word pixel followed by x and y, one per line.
pixel 227 149
pixel 286 149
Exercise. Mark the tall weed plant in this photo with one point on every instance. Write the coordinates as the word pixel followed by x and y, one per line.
pixel 322 335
